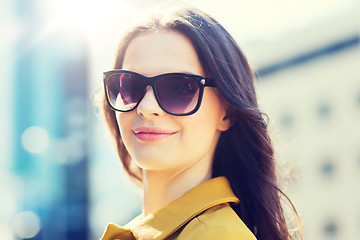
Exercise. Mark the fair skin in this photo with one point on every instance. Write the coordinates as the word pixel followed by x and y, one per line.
pixel 174 152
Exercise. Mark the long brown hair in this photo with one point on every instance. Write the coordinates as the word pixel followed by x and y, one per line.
pixel 244 153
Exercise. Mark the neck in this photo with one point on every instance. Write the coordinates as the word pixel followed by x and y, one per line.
pixel 162 187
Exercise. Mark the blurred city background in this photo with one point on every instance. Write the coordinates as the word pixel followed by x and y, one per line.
pixel 60 177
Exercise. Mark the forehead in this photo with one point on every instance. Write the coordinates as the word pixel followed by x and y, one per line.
pixel 153 53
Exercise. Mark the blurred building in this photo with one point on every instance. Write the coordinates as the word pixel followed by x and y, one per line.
pixel 309 86
pixel 44 112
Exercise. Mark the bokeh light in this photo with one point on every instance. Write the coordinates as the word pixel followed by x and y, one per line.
pixel 35 139
pixel 26 224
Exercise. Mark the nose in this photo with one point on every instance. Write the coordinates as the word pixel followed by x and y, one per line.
pixel 148 106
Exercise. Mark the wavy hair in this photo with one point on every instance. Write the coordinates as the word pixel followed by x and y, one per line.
pixel 244 153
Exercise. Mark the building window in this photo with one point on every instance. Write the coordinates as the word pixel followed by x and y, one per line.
pixel 328 168
pixel 324 110
pixel 287 120
pixel 330 229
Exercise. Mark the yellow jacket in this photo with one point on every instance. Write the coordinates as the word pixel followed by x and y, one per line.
pixel 202 213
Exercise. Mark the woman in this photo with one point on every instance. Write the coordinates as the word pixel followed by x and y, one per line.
pixel 182 108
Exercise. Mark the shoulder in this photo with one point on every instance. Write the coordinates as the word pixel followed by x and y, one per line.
pixel 219 222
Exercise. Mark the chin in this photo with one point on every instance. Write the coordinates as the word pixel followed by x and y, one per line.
pixel 153 163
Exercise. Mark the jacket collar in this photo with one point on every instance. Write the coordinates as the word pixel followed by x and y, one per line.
pixel 169 219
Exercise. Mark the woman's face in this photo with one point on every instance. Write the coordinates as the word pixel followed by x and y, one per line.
pixel 154 139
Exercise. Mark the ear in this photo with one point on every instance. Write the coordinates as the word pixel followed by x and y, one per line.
pixel 226 121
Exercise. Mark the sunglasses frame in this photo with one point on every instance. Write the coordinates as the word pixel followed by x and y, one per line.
pixel 151 81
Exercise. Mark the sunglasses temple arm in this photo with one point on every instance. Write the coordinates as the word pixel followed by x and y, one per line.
pixel 209 83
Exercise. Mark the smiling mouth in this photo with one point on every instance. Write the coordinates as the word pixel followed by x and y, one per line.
pixel 151 135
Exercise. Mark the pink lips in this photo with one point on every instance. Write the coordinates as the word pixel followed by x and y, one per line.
pixel 151 134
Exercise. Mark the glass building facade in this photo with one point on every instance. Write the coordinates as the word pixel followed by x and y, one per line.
pixel 44 143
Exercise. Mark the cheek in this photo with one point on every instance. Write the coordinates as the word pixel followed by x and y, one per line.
pixel 201 129
pixel 125 121
pixel 211 111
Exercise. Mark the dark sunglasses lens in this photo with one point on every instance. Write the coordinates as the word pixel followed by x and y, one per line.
pixel 178 94
pixel 125 90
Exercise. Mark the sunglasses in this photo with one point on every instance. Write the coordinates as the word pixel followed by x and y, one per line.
pixel 178 94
